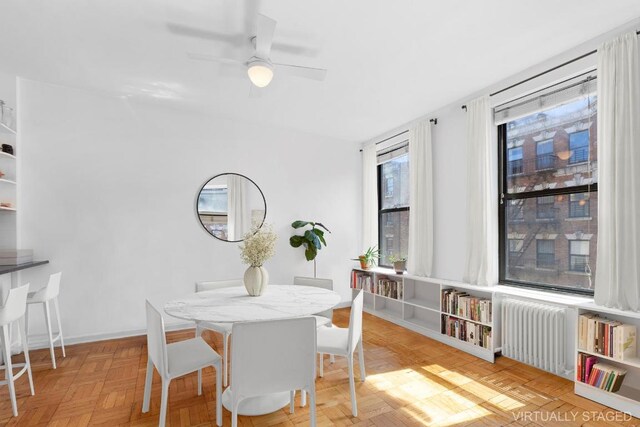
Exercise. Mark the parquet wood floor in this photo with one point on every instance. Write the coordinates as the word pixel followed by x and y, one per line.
pixel 411 381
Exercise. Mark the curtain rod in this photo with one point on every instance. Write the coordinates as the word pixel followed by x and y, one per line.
pixel 434 121
pixel 464 107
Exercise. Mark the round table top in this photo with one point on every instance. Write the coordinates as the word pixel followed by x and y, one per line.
pixel 228 305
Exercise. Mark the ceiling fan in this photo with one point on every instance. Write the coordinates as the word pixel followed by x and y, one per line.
pixel 259 67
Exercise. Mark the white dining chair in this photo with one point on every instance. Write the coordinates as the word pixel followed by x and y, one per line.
pixel 44 296
pixel 13 310
pixel 343 342
pixel 273 356
pixel 221 328
pixel 324 318
pixel 175 360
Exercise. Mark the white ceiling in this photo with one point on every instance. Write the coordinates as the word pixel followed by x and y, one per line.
pixel 389 61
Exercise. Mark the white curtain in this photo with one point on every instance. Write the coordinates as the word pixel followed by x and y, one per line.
pixel 420 253
pixel 481 266
pixel 617 281
pixel 369 197
pixel 238 221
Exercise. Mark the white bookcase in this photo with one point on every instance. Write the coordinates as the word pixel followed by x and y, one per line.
pixel 627 399
pixel 8 190
pixel 419 307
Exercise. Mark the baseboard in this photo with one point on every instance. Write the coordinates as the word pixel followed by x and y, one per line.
pixel 42 341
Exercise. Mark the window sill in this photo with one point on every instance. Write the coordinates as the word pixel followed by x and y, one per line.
pixel 546 295
pixel 579 218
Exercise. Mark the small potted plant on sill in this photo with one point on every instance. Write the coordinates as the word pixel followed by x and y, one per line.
pixel 399 263
pixel 368 258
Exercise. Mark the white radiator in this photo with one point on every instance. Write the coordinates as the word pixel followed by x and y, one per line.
pixel 534 333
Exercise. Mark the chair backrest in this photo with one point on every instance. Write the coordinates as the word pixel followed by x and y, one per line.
pixel 53 287
pixel 218 284
pixel 15 305
pixel 273 356
pixel 355 320
pixel 156 340
pixel 318 283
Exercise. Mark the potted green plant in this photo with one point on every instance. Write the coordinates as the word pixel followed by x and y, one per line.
pixel 312 240
pixel 399 263
pixel 368 258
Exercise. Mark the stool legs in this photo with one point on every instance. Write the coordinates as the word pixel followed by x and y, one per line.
pixel 8 373
pixel 47 315
pixel 55 305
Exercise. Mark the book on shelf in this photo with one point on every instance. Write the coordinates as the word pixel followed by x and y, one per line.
pixel 459 303
pixel 600 375
pixel 607 337
pixel 467 331
pixel 384 286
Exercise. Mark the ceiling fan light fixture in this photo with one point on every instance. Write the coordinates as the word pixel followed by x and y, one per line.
pixel 260 73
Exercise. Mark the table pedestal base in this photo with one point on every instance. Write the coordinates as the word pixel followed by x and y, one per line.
pixel 258 405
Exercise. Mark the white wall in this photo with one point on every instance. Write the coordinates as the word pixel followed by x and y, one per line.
pixel 108 190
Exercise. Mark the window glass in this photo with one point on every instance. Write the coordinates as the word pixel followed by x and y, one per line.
pixel 393 215
pixel 395 181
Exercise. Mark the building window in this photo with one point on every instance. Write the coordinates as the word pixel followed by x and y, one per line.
pixel 515 165
pixel 579 205
pixel 545 259
pixel 545 159
pixel 579 146
pixel 545 253
pixel 393 213
pixel 579 256
pixel 545 207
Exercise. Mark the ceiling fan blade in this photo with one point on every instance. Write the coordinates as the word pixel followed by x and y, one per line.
pixel 235 40
pixel 211 58
pixel 307 72
pixel 264 36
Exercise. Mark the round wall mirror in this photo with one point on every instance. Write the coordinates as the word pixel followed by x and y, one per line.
pixel 228 204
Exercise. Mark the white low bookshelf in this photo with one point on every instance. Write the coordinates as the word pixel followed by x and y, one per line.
pixel 418 306
pixel 627 398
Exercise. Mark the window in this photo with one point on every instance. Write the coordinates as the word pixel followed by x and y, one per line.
pixel 515 161
pixel 393 214
pixel 579 146
pixel 545 253
pixel 579 256
pixel 544 155
pixel 545 207
pixel 579 205
pixel 547 210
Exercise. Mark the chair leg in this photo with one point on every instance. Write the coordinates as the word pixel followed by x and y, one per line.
pixel 164 402
pixel 57 308
pixel 47 315
pixel 219 394
pixel 292 397
pixel 6 344
pixel 303 398
pixel 199 382
pixel 234 413
pixel 147 387
pixel 321 364
pixel 363 375
pixel 225 360
pixel 27 360
pixel 312 404
pixel 352 386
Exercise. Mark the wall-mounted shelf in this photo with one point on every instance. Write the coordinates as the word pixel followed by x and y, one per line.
pixel 3 208
pixel 7 181
pixel 5 128
pixel 7 155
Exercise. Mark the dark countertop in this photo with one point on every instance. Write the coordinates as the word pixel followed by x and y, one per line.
pixel 5 269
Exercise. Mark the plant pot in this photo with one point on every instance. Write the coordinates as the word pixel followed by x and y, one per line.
pixel 400 266
pixel 256 280
pixel 364 264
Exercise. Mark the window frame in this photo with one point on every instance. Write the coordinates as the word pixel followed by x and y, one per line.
pixel 503 201
pixel 381 212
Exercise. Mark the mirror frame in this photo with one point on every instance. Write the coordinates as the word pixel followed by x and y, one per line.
pixel 221 174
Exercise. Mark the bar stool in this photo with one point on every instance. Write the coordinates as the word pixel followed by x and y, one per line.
pixel 43 296
pixel 13 310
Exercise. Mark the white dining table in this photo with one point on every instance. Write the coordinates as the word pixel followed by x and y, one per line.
pixel 233 304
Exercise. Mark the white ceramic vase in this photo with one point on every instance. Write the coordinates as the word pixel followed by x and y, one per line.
pixel 256 280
